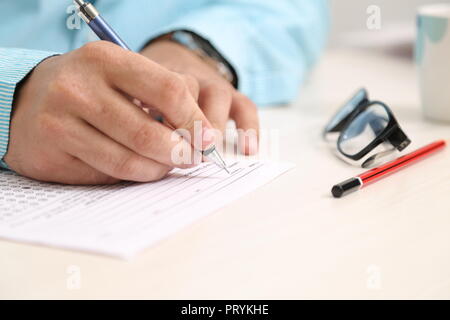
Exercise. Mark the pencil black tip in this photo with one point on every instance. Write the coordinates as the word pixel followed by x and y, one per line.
pixel 342 189
pixel 337 191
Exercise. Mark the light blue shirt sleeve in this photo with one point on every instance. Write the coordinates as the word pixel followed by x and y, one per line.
pixel 15 64
pixel 272 44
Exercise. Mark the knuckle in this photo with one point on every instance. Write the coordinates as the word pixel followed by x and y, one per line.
pixel 245 102
pixel 143 138
pixel 127 167
pixel 190 79
pixel 252 106
pixel 93 110
pixel 58 87
pixel 40 168
pixel 220 89
pixel 175 91
pixel 49 127
pixel 191 82
pixel 61 93
pixel 98 51
pixel 160 173
pixel 190 120
pixel 90 51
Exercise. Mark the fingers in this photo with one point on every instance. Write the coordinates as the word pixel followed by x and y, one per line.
pixel 166 91
pixel 111 158
pixel 245 114
pixel 124 122
pixel 193 85
pixel 77 172
pixel 60 167
pixel 215 101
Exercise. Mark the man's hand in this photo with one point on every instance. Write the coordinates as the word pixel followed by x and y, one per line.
pixel 74 121
pixel 216 97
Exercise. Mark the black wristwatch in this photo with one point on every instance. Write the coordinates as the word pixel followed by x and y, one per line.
pixel 205 50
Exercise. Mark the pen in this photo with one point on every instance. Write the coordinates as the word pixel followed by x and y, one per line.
pixel 103 30
pixel 356 183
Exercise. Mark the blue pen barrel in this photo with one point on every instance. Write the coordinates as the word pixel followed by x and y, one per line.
pixel 105 32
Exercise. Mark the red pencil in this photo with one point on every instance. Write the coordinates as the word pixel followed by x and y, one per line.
pixel 356 183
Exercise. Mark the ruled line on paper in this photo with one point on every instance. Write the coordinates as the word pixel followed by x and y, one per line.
pixel 122 219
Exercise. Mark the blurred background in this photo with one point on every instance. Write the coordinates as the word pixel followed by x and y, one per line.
pixel 349 26
pixel 380 60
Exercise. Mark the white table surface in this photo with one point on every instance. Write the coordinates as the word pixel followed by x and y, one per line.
pixel 289 239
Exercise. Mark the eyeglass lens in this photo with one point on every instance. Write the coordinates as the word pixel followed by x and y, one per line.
pixel 348 108
pixel 364 129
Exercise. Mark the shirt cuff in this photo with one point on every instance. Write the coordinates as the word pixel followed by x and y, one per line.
pixel 15 65
pixel 265 87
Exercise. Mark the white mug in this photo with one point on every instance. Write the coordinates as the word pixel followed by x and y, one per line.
pixel 433 59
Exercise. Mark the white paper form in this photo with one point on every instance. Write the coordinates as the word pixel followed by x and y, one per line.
pixel 123 219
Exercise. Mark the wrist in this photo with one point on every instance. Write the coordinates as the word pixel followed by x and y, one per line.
pixel 25 89
pixel 204 50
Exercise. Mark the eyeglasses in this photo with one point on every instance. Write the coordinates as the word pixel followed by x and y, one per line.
pixel 365 132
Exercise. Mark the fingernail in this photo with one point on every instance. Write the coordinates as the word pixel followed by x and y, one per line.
pixel 249 145
pixel 253 148
pixel 208 138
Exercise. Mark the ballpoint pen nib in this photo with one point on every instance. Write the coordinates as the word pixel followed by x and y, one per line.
pixel 213 155
pixel 226 169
